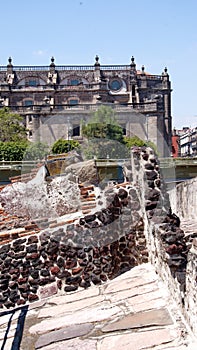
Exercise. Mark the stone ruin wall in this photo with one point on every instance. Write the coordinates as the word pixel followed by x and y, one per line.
pixel 166 242
pixel 183 199
pixel 173 253
pixel 134 226
pixel 95 248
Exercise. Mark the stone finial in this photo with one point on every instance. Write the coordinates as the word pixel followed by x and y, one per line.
pixel 52 62
pixel 97 61
pixel 132 65
pixel 165 75
pixel 143 69
pixel 9 74
pixel 166 71
pixel 9 62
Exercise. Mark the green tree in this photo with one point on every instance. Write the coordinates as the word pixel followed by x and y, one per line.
pixel 104 148
pixel 103 125
pixel 64 146
pixel 12 128
pixel 104 114
pixel 104 136
pixel 12 151
pixel 35 151
pixel 23 150
pixel 134 141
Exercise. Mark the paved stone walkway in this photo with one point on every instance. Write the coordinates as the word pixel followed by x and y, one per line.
pixel 131 312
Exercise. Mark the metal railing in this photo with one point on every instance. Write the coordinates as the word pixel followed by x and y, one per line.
pixel 65 67
pixel 182 161
pixel 154 77
pixel 78 68
pixel 17 165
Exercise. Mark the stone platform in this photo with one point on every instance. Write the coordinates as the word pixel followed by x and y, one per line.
pixel 132 312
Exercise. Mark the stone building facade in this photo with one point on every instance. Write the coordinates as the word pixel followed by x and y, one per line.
pixel 56 100
pixel 188 142
pixel 184 142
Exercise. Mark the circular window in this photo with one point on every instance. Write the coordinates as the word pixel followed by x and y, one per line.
pixel 115 84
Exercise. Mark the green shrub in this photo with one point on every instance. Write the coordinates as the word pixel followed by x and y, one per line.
pixel 12 127
pixel 64 146
pixel 134 141
pixel 35 151
pixel 12 151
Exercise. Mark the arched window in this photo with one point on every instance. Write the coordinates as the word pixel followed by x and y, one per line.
pixel 28 103
pixel 32 82
pixel 124 131
pixel 133 90
pixel 123 126
pixel 76 131
pixel 74 82
pixel 73 101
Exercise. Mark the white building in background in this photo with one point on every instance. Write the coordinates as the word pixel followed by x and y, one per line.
pixel 188 142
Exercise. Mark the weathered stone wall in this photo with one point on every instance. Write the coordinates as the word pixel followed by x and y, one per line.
pixel 165 240
pixel 97 246
pixel 183 199
pixel 90 250
pixel 39 198
pixel 190 298
pixel 173 253
pixel 130 223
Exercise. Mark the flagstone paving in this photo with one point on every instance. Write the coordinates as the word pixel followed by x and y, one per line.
pixel 132 312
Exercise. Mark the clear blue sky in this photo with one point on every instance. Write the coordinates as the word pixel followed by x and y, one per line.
pixel 157 33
